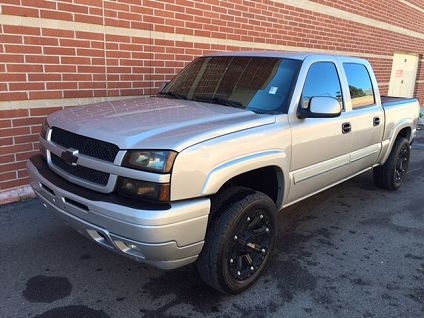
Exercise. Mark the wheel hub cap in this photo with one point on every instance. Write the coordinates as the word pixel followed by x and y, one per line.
pixel 252 239
pixel 401 164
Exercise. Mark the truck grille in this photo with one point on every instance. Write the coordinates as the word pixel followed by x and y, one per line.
pixel 81 172
pixel 85 145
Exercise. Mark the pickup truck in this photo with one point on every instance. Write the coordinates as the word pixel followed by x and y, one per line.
pixel 198 172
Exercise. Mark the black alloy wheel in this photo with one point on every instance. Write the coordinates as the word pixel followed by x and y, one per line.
pixel 392 173
pixel 239 240
pixel 250 245
pixel 402 163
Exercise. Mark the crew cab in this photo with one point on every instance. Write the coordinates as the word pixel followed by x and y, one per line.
pixel 198 172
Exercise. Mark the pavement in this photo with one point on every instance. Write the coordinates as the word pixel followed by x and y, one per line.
pixel 351 251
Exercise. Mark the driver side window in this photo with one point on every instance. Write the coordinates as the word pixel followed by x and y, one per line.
pixel 322 81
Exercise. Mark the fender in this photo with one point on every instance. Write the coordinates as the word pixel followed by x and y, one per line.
pixel 224 172
pixel 388 143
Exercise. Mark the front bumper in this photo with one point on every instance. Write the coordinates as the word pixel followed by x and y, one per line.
pixel 166 237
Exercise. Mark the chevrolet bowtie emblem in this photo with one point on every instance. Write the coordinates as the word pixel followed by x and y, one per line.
pixel 69 156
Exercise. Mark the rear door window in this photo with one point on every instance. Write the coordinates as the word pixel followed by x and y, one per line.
pixel 360 85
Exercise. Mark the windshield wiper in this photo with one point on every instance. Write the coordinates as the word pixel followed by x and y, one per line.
pixel 172 95
pixel 220 100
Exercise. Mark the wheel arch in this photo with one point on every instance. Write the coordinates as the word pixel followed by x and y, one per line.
pixel 405 132
pixel 262 172
pixel 403 129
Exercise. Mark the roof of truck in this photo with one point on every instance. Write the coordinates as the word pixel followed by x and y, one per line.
pixel 279 54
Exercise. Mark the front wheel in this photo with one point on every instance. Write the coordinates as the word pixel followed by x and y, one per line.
pixel 391 175
pixel 239 242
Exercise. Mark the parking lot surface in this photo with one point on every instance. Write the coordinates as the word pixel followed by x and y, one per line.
pixel 351 251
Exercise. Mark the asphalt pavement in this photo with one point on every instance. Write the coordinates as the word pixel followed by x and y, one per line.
pixel 351 251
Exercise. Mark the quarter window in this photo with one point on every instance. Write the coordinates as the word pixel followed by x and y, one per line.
pixel 360 86
pixel 322 80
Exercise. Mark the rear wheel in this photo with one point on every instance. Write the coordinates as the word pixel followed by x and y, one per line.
pixel 239 242
pixel 391 175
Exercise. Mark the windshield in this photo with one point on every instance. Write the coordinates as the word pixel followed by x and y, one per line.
pixel 260 84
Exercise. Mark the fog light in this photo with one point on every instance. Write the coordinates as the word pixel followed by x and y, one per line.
pixel 144 190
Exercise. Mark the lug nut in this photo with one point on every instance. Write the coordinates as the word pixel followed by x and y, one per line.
pixel 235 237
pixel 263 250
pixel 231 260
pixel 248 219
pixel 267 230
pixel 238 273
pixel 261 216
pixel 252 268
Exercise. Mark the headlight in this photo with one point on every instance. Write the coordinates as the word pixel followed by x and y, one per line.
pixel 150 160
pixel 144 190
pixel 44 129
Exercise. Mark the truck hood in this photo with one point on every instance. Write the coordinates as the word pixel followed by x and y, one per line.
pixel 156 123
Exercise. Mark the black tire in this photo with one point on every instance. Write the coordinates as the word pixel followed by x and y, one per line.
pixel 231 232
pixel 391 175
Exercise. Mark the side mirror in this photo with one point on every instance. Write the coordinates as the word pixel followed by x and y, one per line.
pixel 162 85
pixel 321 107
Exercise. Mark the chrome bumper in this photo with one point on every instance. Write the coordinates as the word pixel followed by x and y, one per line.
pixel 167 237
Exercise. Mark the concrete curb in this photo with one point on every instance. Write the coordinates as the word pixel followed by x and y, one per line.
pixel 17 194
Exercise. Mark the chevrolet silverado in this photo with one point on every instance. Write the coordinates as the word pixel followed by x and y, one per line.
pixel 198 172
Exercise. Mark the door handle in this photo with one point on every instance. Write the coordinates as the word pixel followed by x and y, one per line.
pixel 346 128
pixel 376 121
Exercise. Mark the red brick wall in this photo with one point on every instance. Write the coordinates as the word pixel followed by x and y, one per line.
pixel 18 141
pixel 116 48
pixel 389 11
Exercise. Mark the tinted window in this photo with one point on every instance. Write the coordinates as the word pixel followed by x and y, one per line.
pixel 322 80
pixel 360 85
pixel 261 84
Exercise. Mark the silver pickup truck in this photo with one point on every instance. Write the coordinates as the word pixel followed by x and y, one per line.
pixel 198 172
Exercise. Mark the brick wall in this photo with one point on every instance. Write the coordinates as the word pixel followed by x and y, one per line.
pixel 55 54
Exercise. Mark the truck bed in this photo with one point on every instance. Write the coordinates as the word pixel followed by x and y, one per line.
pixel 388 100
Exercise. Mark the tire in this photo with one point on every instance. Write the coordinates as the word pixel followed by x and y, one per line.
pixel 391 175
pixel 239 241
